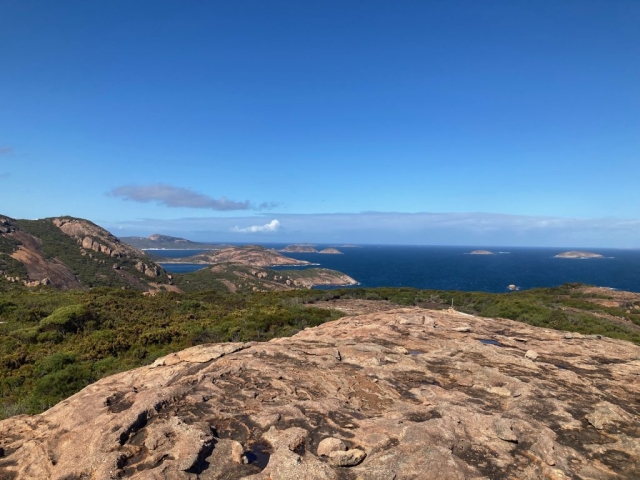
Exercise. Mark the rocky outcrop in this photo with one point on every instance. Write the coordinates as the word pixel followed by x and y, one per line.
pixel 403 394
pixel 481 252
pixel 576 254
pixel 7 225
pixel 152 271
pixel 92 237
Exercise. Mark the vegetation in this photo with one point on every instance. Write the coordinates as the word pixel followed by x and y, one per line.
pixel 54 343
pixel 8 265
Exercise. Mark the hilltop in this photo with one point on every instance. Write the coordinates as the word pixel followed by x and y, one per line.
pixel 67 253
pixel 409 393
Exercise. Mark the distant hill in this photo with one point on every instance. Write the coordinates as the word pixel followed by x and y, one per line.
pixel 67 253
pixel 168 242
pixel 302 248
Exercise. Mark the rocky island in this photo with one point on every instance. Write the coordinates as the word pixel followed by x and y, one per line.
pixel 577 254
pixel 481 252
pixel 407 393
pixel 331 251
pixel 299 249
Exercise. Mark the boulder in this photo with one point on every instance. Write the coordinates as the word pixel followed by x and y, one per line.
pixel 330 444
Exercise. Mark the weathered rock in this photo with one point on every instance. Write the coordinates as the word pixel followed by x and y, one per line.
pixel 504 430
pixel 330 444
pixel 420 402
pixel 348 458
pixel 462 329
pixel 606 414
pixel 531 355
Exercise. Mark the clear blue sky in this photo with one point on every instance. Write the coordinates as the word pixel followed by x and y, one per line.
pixel 457 122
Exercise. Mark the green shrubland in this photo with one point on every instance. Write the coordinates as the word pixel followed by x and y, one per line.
pixel 53 343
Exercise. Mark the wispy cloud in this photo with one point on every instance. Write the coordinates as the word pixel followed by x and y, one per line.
pixel 272 226
pixel 5 175
pixel 178 197
pixel 6 150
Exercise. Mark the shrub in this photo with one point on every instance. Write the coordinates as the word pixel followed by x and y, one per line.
pixel 68 319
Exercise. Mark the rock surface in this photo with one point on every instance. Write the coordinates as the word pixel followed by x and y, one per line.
pixel 92 237
pixel 409 395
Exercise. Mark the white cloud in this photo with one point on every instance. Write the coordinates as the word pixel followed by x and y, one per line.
pixel 272 226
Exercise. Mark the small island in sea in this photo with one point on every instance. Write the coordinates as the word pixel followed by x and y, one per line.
pixel 299 249
pixel 331 251
pixel 481 252
pixel 577 254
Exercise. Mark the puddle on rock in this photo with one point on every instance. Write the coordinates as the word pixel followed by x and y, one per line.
pixel 489 341
pixel 415 352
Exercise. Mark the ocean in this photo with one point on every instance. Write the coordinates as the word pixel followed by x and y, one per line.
pixel 452 268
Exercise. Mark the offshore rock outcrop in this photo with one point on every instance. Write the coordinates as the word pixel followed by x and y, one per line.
pixel 400 394
pixel 331 251
pixel 578 254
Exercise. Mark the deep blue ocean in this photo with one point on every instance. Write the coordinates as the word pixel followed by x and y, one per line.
pixel 451 268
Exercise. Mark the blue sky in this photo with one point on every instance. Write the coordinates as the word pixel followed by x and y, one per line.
pixel 423 122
